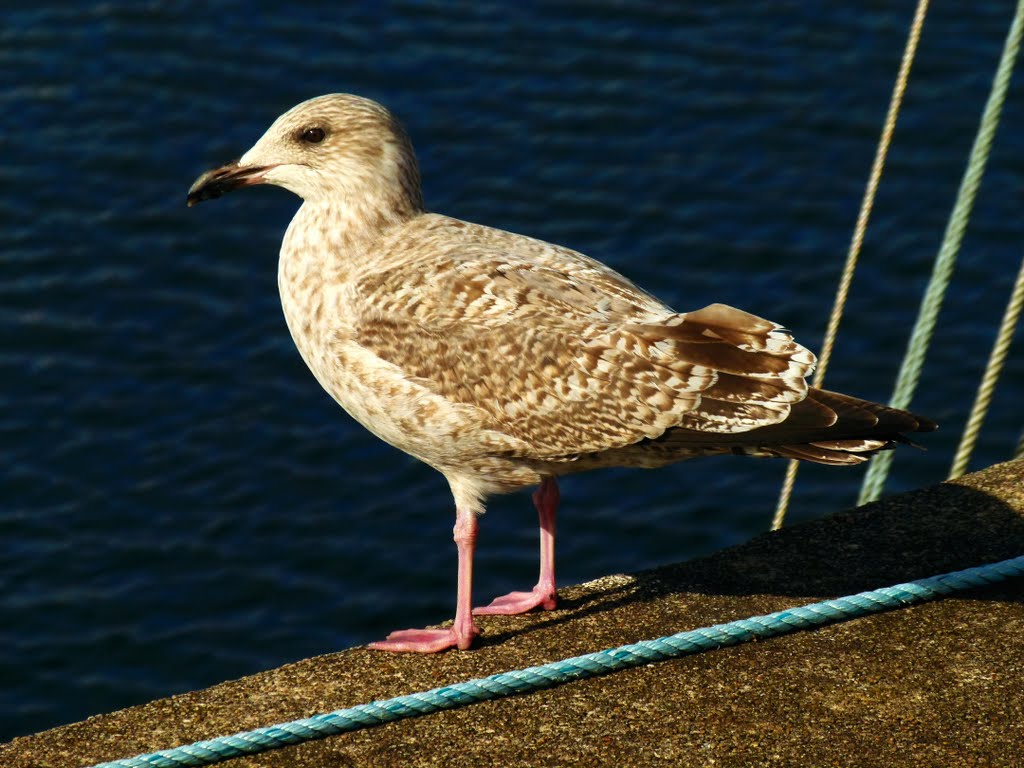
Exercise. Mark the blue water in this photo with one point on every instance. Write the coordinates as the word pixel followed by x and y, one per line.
pixel 180 504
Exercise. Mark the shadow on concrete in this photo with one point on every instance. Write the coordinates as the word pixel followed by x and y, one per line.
pixel 923 533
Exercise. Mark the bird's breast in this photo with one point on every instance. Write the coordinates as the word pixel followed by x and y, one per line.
pixel 319 309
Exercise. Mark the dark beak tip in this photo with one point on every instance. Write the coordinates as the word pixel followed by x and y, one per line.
pixel 203 187
pixel 200 196
pixel 218 181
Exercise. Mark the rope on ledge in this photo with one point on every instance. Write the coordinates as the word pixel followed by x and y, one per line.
pixel 578 668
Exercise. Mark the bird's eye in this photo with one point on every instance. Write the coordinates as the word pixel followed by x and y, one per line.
pixel 313 135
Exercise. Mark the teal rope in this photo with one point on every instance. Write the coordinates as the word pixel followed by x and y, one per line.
pixel 577 668
pixel 917 347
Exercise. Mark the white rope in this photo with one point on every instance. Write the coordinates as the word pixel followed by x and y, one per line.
pixel 993 368
pixel 920 339
pixel 857 241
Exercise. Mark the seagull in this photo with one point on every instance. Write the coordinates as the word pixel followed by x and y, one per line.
pixel 505 362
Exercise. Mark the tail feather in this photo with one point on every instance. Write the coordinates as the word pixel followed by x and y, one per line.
pixel 811 452
pixel 826 428
pixel 863 451
pixel 859 430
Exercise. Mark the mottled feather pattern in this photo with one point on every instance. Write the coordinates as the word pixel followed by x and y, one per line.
pixel 588 361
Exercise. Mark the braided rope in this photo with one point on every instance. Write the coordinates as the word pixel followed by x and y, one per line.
pixel 578 668
pixel 917 347
pixel 856 243
pixel 993 369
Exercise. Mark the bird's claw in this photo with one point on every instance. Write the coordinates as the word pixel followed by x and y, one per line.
pixel 519 602
pixel 425 640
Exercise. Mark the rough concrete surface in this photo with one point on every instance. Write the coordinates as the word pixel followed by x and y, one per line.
pixel 939 684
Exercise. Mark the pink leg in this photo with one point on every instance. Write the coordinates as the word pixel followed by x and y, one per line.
pixel 545 498
pixel 462 632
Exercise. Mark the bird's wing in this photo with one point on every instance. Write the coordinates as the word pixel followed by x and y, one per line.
pixel 576 359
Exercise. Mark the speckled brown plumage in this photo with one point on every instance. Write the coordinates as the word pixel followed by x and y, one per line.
pixel 504 361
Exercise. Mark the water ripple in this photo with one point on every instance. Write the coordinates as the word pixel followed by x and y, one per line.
pixel 179 502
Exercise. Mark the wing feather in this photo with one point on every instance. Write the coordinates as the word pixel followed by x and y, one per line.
pixel 570 357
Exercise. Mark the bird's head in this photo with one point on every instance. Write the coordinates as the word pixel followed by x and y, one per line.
pixel 339 148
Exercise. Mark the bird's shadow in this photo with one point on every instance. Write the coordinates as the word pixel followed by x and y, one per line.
pixel 922 533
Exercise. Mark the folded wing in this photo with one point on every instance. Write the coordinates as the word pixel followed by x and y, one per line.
pixel 574 359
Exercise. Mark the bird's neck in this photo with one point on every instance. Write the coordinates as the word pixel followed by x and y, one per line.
pixel 326 245
pixel 329 236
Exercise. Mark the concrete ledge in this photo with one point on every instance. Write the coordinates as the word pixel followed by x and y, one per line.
pixel 934 685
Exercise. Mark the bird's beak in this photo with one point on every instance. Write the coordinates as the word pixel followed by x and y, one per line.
pixel 219 181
